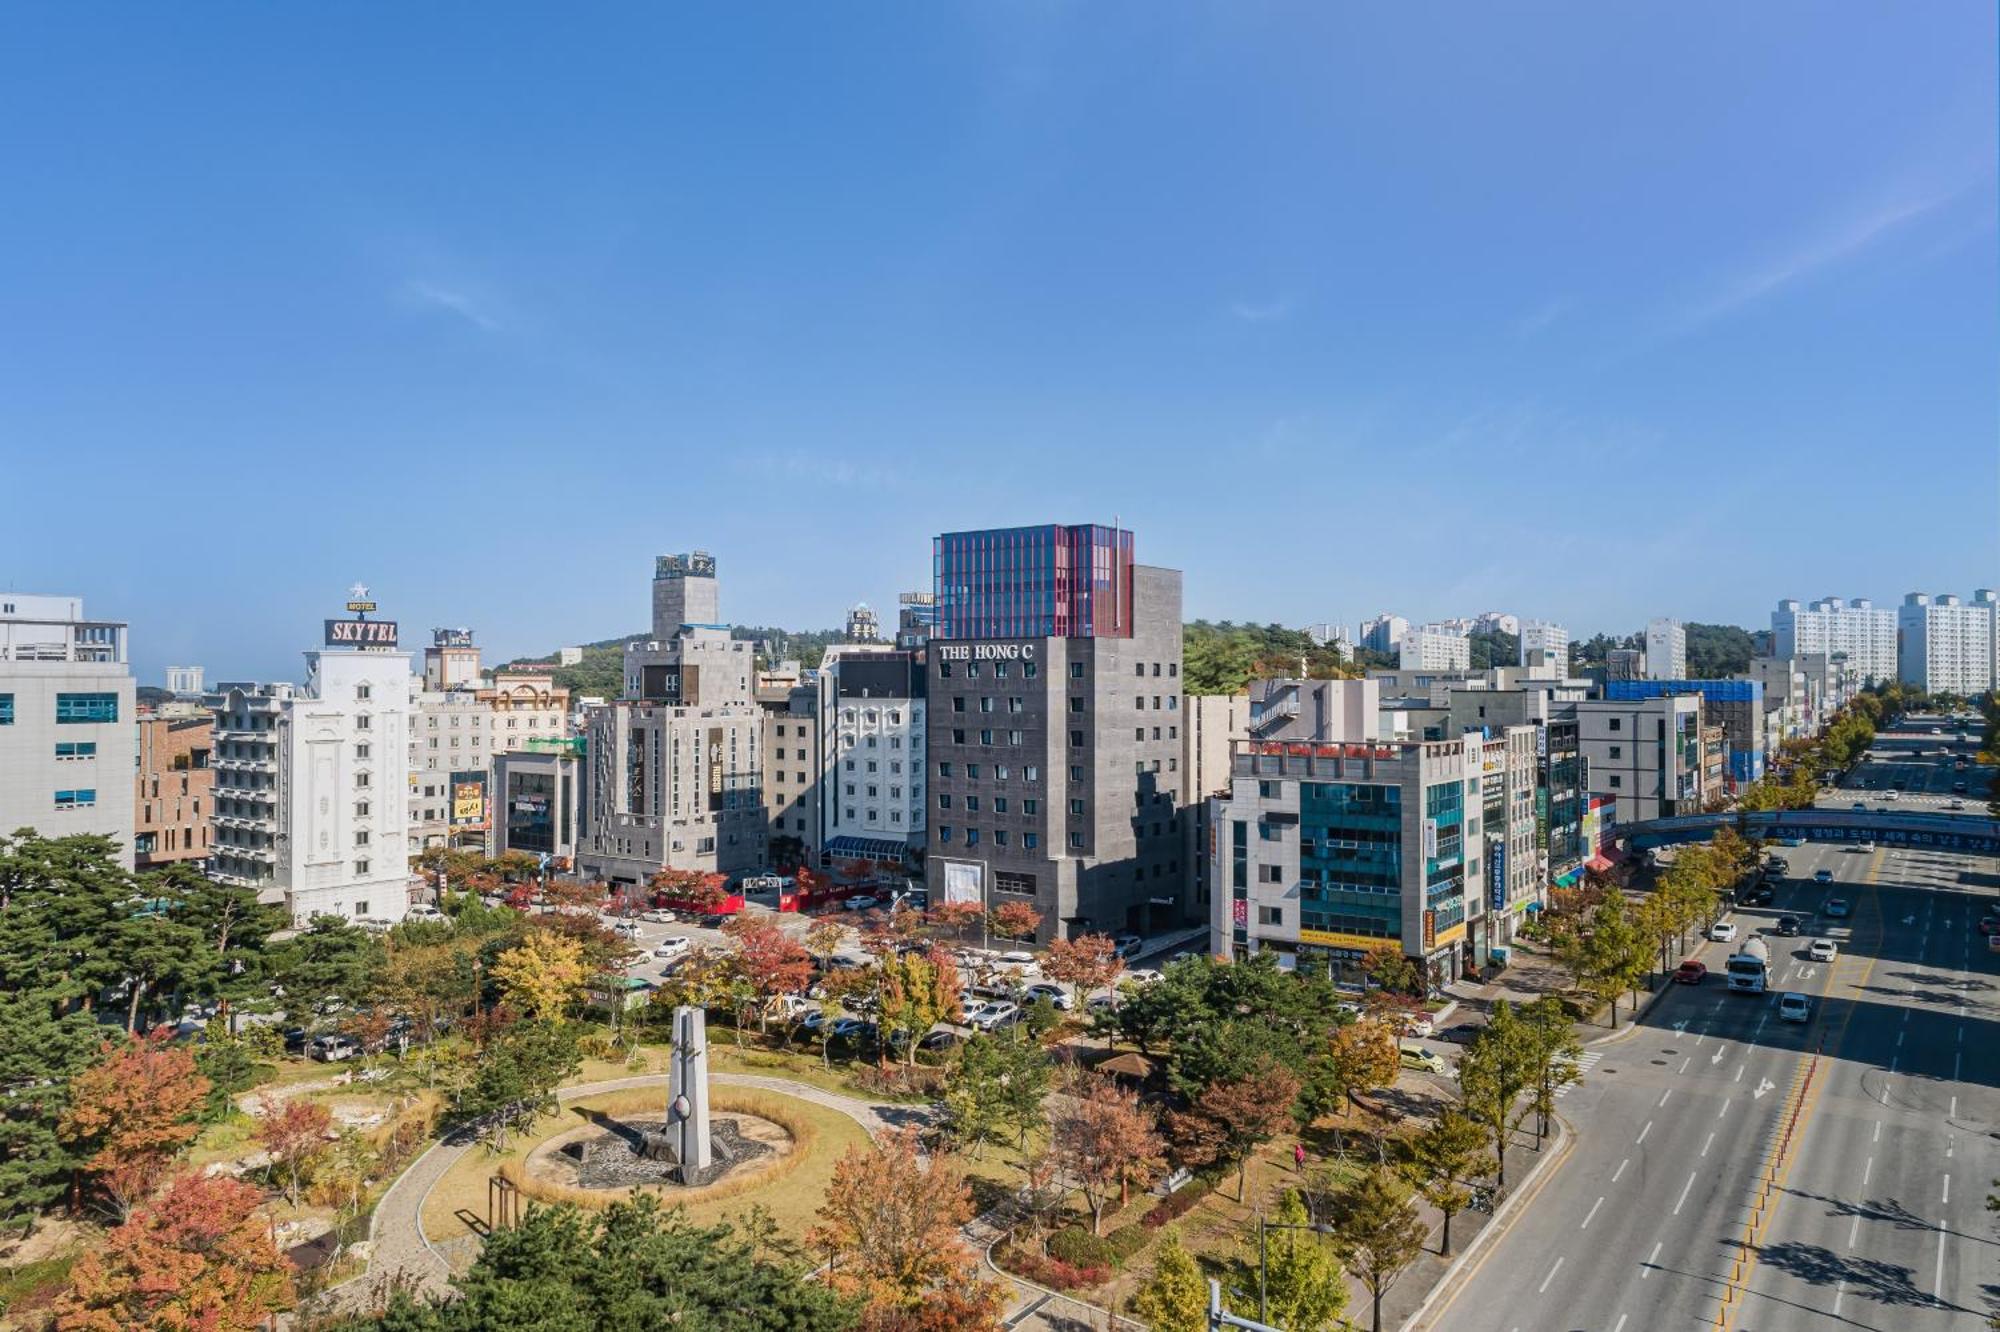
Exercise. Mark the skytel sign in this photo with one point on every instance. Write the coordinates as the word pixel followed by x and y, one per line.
pixel 986 651
pixel 361 633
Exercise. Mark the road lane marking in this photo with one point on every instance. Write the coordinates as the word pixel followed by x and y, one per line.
pixel 1619 1326
pixel 1684 1065
pixel 1716 1058
pixel 1946 1200
pixel 1664 1095
pixel 1878 1132
pixel 1710 1143
pixel 1685 1190
pixel 1937 1276
pixel 1646 1268
pixel 1543 1290
pixel 1839 1289
pixel 1739 1073
pixel 1854 1231
pixel 1954 1108
pixel 1642 1133
pixel 1591 1213
pixel 1954 1066
pixel 1621 1169
pixel 1723 1110
pixel 1899 1040
pixel 1867 1172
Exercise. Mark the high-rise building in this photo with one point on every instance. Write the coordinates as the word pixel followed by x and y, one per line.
pixel 1209 722
pixel 451 661
pixel 1496 622
pixel 1645 753
pixel 1831 625
pixel 872 733
pixel 1625 664
pixel 794 764
pixel 1988 599
pixel 1054 714
pixel 1433 647
pixel 173 791
pixel 1383 633
pixel 1666 649
pixel 1737 706
pixel 66 721
pixel 311 783
pixel 1545 643
pixel 676 765
pixel 1944 645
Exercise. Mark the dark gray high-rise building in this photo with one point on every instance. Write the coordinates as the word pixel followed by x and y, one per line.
pixel 1054 744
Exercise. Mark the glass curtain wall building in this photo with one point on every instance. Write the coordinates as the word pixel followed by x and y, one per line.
pixel 1053 581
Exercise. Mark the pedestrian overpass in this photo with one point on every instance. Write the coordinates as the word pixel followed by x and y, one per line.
pixel 1974 834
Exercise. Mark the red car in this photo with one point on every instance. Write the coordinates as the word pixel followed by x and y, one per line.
pixel 1689 972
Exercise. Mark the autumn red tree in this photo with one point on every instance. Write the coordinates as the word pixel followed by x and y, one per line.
pixel 196 1257
pixel 974 1307
pixel 1016 920
pixel 133 1113
pixel 890 1223
pixel 293 1133
pixel 772 961
pixel 1089 961
pixel 1102 1139
pixel 1230 1119
pixel 955 917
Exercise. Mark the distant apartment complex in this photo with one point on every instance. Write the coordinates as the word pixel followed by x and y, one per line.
pixel 66 722
pixel 1432 647
pixel 1853 628
pixel 1945 645
pixel 1666 650
pixel 1544 643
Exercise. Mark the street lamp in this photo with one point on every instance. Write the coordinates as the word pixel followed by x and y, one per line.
pixel 1264 1250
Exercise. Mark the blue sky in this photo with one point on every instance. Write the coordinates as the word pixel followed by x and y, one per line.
pixel 1585 310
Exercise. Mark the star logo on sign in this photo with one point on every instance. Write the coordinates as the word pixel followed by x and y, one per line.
pixel 359 592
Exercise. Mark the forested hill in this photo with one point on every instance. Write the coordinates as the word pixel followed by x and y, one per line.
pixel 601 673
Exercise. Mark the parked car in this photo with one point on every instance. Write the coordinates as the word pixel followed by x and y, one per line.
pixel 1723 931
pixel 627 929
pixel 1837 906
pixel 1049 990
pixel 1417 1024
pixel 941 1039
pixel 1690 972
pixel 858 1030
pixel 332 1048
pixel 1412 1055
pixel 673 946
pixel 1867 847
pixel 860 903
pixel 1462 1034
pixel 1128 944
pixel 1761 895
pixel 1788 925
pixel 992 1017
pixel 657 916
pixel 424 911
pixel 1794 1007
pixel 1822 950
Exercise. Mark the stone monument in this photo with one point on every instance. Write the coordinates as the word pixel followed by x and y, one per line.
pixel 686 1140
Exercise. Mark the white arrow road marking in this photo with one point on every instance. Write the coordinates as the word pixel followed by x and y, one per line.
pixel 1763 1085
pixel 1716 1058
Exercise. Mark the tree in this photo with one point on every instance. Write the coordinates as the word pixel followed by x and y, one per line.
pixel 1304 1290
pixel 1088 962
pixel 1016 920
pixel 891 1225
pixel 41 1054
pixel 954 918
pixel 1497 1067
pixel 1102 1140
pixel 1378 1232
pixel 771 961
pixel 633 1265
pixel 1616 953
pixel 543 976
pixel 1452 1150
pixel 515 1079
pixel 919 990
pixel 1359 1057
pixel 133 1113
pixel 1553 1058
pixel 824 937
pixel 1240 1115
pixel 1174 1298
pixel 331 959
pixel 196 1257
pixel 1386 965
pixel 293 1132
pixel 996 1090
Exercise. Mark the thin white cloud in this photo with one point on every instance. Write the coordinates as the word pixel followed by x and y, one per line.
pixel 1263 312
pixel 1835 244
pixel 429 295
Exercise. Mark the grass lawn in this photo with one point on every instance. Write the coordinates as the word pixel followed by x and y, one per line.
pixel 791 1198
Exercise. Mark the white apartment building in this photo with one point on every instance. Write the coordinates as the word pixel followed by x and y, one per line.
pixel 1666 650
pixel 1384 632
pixel 68 739
pixel 1433 647
pixel 1834 626
pixel 872 719
pixel 1496 622
pixel 1945 645
pixel 311 783
pixel 1544 642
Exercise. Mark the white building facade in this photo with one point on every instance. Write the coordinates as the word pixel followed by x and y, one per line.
pixel 1666 650
pixel 1432 647
pixel 68 739
pixel 1544 642
pixel 1384 633
pixel 1852 627
pixel 1945 645
pixel 311 783
pixel 872 720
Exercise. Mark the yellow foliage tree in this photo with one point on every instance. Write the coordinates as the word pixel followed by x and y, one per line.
pixel 543 976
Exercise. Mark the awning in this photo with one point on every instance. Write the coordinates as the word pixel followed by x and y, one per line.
pixel 868 848
pixel 1599 864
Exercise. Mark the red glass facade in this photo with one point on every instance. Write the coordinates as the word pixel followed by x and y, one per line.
pixel 1054 581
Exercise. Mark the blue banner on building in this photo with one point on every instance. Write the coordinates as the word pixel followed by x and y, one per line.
pixel 1496 873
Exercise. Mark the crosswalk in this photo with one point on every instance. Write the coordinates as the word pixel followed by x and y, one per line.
pixel 1584 1063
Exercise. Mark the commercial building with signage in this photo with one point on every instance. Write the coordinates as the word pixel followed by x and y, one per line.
pixel 871 712
pixel 537 801
pixel 1737 706
pixel 1329 849
pixel 1645 753
pixel 676 765
pixel 311 782
pixel 1053 729
pixel 464 720
pixel 66 721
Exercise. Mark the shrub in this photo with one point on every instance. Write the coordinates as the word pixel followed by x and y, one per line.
pixel 1179 1203
pixel 1079 1248
pixel 1126 1241
pixel 1053 1272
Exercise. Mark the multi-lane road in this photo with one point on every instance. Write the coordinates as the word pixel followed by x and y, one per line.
pixel 1878 1217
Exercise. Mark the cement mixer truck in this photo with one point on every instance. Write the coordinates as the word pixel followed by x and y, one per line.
pixel 1750 967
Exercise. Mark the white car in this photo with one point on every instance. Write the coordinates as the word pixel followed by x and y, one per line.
pixel 862 903
pixel 1866 847
pixel 1050 991
pixel 1418 1024
pixel 657 916
pixel 1723 931
pixel 1822 950
pixel 1794 1007
pixel 673 946
pixel 423 911
pixel 991 1017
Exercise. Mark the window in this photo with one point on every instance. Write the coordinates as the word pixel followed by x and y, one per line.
pixel 972 837
pixel 1617 724
pixel 986 703
pixel 1076 703
pixel 972 772
pixel 361 908
pixel 1076 739
pixel 958 737
pixel 944 768
pixel 361 722
pixel 1616 781
pixel 1139 702
pixel 944 800
pixel 361 779
pixel 83 799
pixel 1031 807
pixel 6 709
pixel 1138 733
pixel 1075 772
pixel 1031 773
pixel 1076 841
pixel 944 832
pixel 1014 705
pixel 986 737
pixel 1030 669
pixel 944 670
pixel 1030 841
pixel 81 707
pixel 1270 915
pixel 958 702
pixel 999 804
pixel 361 837
pixel 1617 751
pixel 361 809
pixel 999 772
pixel 874 793
pixel 362 691
pixel 1076 670
pixel 972 804
pixel 1270 874
pixel 360 869
pixel 999 837
pixel 362 751
pixel 76 749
